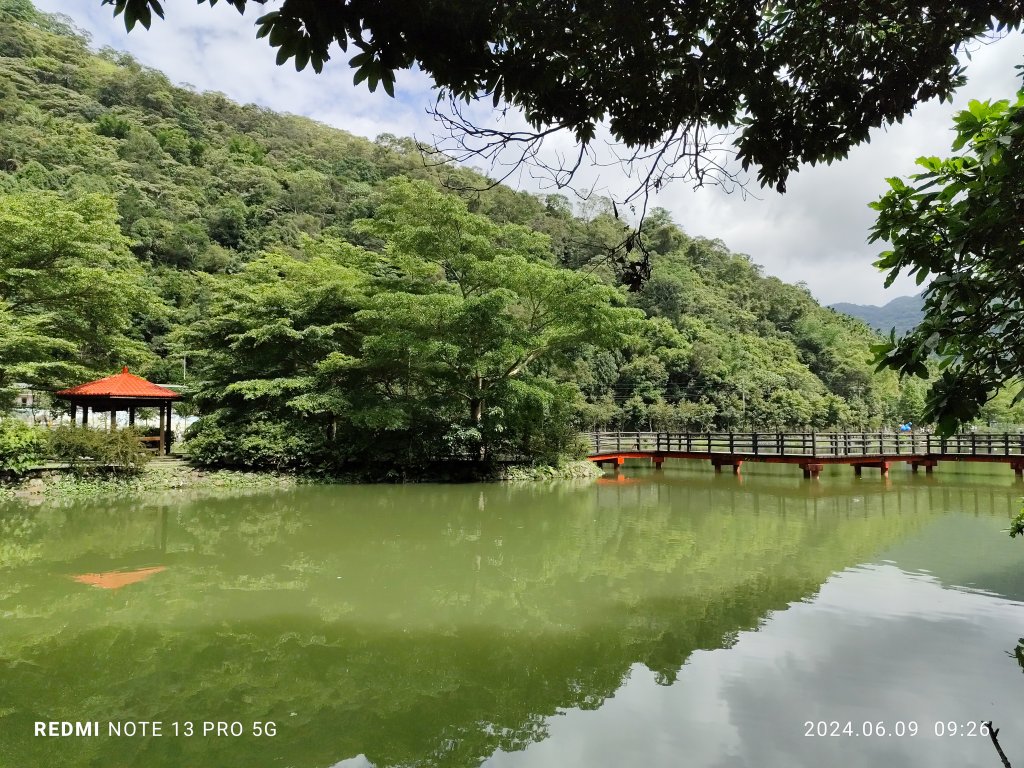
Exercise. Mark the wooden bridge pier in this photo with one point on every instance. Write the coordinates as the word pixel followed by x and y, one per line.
pixel 812 469
pixel 882 466
pixel 728 461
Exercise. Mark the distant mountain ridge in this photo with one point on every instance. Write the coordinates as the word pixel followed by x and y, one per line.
pixel 903 313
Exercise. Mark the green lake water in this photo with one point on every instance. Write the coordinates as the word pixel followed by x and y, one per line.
pixel 673 618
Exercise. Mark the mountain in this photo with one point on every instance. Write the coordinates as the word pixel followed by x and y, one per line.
pixel 202 193
pixel 902 313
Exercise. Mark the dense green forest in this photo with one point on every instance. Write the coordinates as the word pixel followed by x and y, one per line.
pixel 333 299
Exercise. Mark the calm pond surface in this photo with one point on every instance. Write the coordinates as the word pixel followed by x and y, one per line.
pixel 673 618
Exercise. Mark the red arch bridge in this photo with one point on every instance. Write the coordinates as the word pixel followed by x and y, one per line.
pixel 810 451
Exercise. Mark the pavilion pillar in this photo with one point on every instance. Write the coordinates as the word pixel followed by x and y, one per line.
pixel 167 433
pixel 161 449
pixel 131 416
pixel 113 420
pixel 74 414
pixel 85 414
pixel 170 428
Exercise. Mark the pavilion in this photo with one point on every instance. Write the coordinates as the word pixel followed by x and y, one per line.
pixel 123 392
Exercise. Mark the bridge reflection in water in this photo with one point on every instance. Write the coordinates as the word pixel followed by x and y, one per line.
pixel 810 451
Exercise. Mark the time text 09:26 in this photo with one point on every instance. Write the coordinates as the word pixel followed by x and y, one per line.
pixel 897 728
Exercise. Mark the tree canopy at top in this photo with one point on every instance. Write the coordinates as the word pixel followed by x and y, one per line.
pixel 804 81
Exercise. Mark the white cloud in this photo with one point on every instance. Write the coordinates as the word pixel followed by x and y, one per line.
pixel 216 50
pixel 817 232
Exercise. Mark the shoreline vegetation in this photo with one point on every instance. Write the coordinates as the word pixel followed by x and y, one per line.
pixel 46 483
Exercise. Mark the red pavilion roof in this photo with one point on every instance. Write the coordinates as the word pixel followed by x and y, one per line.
pixel 123 384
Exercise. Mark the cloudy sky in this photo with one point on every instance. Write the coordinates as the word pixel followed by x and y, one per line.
pixel 816 232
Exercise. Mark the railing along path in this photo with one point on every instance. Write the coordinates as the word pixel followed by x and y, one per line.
pixel 810 450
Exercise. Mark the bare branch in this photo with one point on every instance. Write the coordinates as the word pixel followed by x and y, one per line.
pixel 993 733
pixel 687 152
pixel 690 152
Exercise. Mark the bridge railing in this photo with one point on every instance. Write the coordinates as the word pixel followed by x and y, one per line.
pixel 817 444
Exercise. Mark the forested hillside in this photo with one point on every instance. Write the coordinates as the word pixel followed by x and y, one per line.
pixel 332 296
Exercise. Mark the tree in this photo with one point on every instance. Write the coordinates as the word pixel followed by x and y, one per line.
pixel 71 294
pixel 804 81
pixel 437 347
pixel 911 403
pixel 473 312
pixel 266 353
pixel 961 221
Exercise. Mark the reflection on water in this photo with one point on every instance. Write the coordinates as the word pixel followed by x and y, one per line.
pixel 117 579
pixel 641 621
pixel 877 644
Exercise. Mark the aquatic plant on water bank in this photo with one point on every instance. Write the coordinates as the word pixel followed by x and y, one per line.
pixel 573 470
pixel 154 478
pixel 180 476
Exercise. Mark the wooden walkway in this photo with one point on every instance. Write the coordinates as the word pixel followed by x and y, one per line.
pixel 810 451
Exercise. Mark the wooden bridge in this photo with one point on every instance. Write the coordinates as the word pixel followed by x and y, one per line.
pixel 810 451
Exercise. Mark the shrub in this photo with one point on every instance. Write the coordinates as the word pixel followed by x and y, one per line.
pixel 91 451
pixel 21 445
pixel 262 443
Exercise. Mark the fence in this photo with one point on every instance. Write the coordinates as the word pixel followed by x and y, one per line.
pixel 810 444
